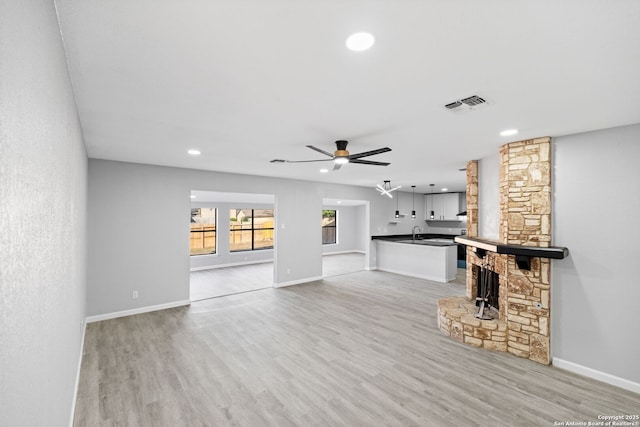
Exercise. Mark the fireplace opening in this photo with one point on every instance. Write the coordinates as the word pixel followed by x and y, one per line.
pixel 488 292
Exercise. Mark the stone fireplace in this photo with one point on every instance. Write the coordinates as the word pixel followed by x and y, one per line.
pixel 520 258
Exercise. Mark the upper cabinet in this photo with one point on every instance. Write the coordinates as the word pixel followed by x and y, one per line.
pixel 442 207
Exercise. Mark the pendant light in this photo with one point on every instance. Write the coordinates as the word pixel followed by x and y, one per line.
pixel 413 201
pixel 397 204
pixel 432 214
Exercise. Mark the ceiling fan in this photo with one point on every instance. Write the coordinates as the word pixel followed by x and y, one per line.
pixel 342 156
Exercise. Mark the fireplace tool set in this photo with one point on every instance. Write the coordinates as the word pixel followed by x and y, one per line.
pixel 484 290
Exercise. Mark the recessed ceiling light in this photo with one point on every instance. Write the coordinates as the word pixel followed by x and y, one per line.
pixel 194 152
pixel 360 41
pixel 193 196
pixel 509 132
pixel 324 170
pixel 443 189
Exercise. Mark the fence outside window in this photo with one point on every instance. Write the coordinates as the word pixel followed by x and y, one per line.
pixel 329 227
pixel 250 229
pixel 202 239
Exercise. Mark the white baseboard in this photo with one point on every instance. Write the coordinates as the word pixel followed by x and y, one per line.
pixel 77 384
pixel 596 375
pixel 344 252
pixel 140 310
pixel 297 282
pixel 231 264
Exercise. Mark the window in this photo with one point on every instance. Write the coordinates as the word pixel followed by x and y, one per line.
pixel 250 229
pixel 329 222
pixel 203 231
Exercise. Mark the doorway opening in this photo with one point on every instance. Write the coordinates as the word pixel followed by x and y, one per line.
pixel 345 236
pixel 231 243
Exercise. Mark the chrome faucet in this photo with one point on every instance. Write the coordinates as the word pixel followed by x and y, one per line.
pixel 413 232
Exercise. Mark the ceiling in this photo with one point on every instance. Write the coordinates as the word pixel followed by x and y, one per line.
pixel 248 81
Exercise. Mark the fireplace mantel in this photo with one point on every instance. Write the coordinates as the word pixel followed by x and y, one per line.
pixel 523 253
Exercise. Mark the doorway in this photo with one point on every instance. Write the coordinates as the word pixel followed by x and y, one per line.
pixel 232 241
pixel 345 236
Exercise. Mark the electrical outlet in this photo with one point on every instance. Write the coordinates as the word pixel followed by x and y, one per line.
pixel 134 294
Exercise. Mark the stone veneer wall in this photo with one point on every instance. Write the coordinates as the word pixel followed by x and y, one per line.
pixel 525 219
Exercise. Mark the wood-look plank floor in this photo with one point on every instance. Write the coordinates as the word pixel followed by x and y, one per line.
pixel 360 349
pixel 218 282
pixel 337 264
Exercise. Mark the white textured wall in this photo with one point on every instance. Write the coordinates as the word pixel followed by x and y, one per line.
pixel 595 292
pixel 43 173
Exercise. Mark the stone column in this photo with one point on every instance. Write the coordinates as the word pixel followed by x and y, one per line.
pixel 525 219
pixel 472 223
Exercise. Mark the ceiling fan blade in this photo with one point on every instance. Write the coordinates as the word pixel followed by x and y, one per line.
pixel 320 151
pixel 369 153
pixel 307 161
pixel 369 162
pixel 299 161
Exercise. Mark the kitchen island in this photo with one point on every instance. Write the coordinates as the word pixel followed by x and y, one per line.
pixel 430 259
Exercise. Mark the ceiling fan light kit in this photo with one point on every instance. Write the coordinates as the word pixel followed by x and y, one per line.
pixel 341 160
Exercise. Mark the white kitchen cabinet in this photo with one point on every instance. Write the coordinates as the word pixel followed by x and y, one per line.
pixel 445 206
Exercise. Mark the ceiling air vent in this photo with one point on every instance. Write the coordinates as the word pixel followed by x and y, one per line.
pixel 453 105
pixel 466 104
pixel 473 100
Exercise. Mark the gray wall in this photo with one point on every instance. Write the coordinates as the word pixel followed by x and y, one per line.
pixel 596 291
pixel 223 257
pixel 43 175
pixel 351 229
pixel 150 253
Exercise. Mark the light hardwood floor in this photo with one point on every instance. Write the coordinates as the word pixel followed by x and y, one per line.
pixel 359 349
pixel 218 282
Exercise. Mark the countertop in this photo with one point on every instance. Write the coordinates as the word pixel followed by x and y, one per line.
pixel 424 239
